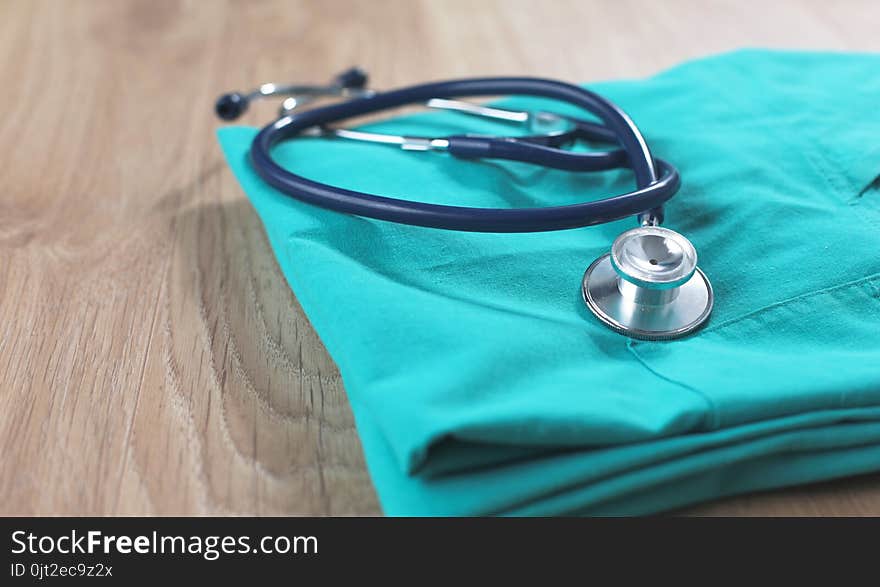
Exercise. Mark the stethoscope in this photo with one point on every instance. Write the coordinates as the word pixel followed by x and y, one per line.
pixel 648 286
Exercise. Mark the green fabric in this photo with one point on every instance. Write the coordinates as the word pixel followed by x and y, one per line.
pixel 481 384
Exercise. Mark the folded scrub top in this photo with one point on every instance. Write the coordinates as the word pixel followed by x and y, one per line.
pixel 481 384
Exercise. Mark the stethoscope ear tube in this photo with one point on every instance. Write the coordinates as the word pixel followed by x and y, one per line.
pixel 468 147
pixel 352 81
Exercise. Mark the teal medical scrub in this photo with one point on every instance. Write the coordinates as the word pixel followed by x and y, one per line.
pixel 481 384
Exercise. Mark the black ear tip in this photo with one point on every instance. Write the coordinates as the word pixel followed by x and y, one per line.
pixel 230 106
pixel 354 78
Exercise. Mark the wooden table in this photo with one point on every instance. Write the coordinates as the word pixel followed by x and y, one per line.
pixel 152 360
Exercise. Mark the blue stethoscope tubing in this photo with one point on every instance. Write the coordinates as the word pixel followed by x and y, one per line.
pixel 656 180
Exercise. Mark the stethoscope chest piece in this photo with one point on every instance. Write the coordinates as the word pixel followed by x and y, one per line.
pixel 649 286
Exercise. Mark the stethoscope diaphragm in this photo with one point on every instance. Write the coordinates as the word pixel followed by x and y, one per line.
pixel 649 285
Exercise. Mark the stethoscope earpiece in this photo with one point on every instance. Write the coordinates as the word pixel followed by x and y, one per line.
pixel 230 106
pixel 354 78
pixel 649 285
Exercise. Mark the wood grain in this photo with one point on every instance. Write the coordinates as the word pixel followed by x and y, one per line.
pixel 152 360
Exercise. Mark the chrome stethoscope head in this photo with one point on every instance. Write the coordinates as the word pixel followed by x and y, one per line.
pixel 649 285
